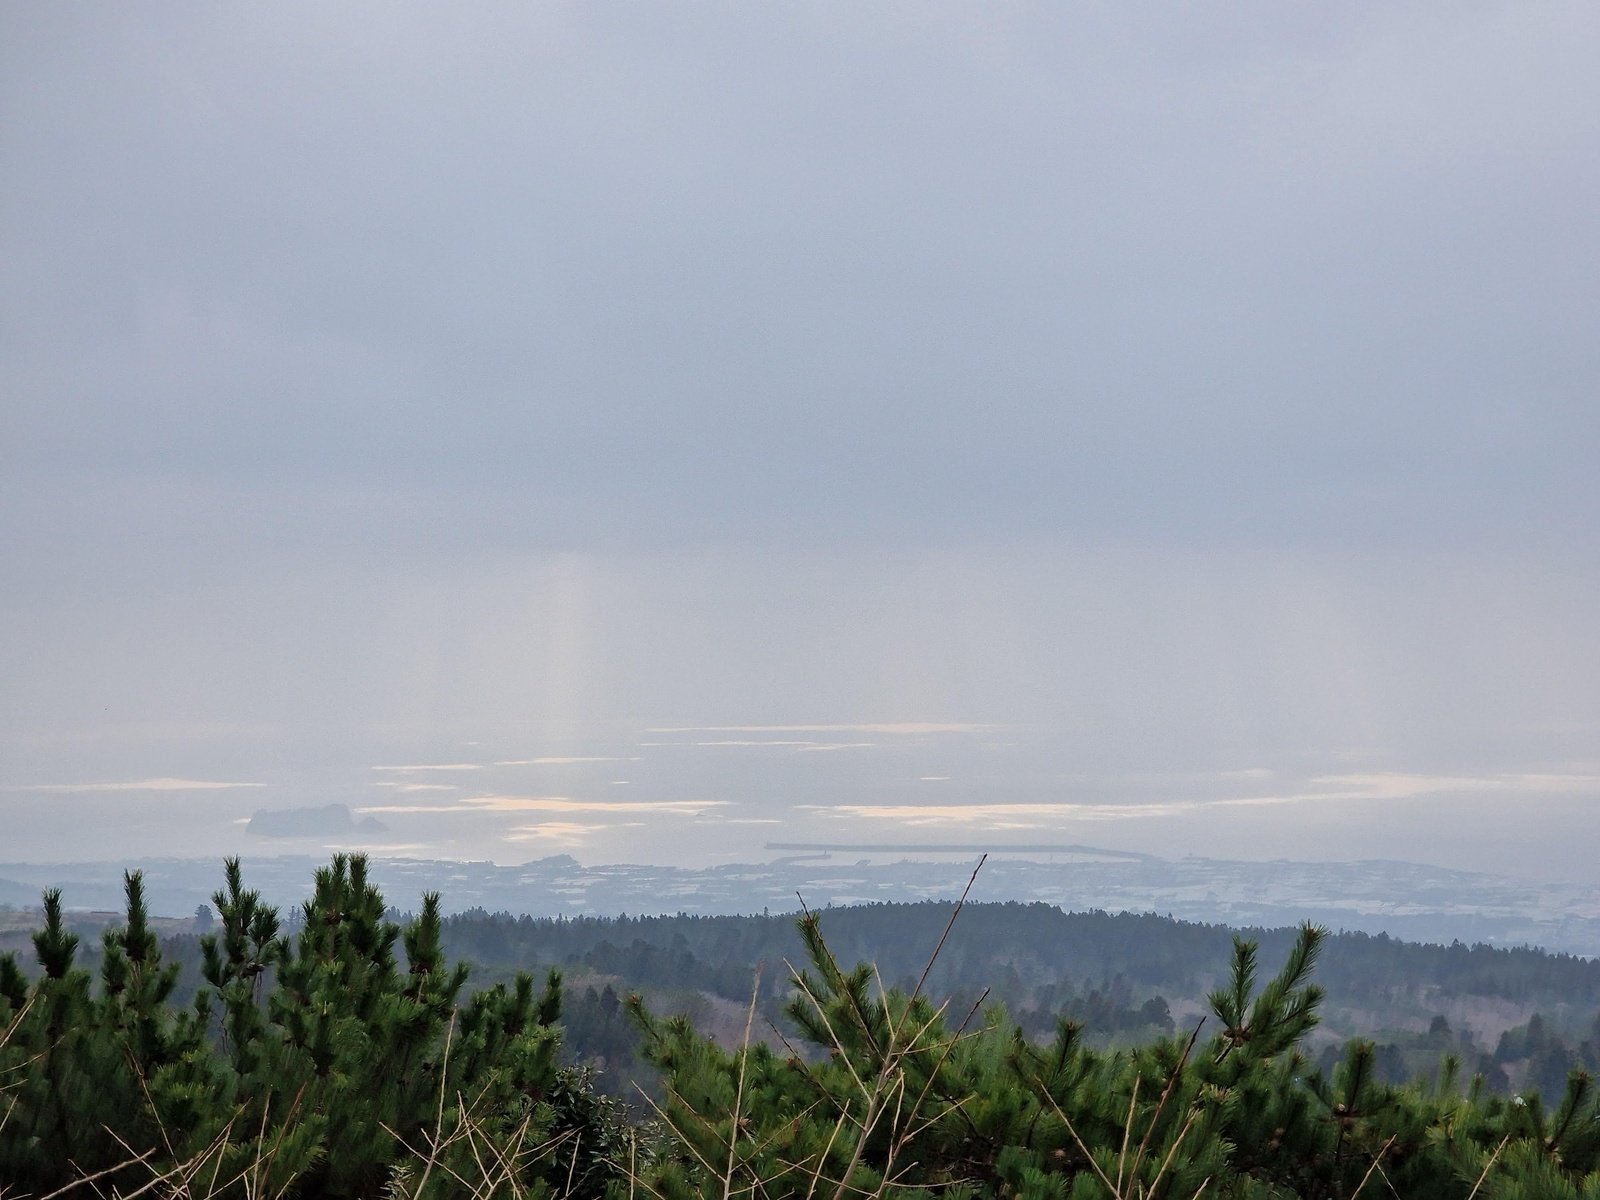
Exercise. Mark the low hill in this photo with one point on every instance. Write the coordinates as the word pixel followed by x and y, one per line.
pixel 1123 975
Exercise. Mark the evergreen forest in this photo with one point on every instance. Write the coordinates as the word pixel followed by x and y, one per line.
pixel 344 1049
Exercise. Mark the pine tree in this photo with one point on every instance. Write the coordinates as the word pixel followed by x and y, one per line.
pixel 312 1065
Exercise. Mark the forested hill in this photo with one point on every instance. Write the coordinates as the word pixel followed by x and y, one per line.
pixel 1018 950
pixel 381 1068
pixel 1519 1017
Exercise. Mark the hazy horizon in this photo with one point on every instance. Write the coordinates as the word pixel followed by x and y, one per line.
pixel 648 433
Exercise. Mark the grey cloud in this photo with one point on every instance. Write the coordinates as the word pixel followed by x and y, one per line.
pixel 1174 388
pixel 740 274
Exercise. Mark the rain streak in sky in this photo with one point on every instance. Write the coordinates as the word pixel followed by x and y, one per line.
pixel 646 432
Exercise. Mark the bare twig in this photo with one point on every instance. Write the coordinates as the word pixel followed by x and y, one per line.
pixel 738 1094
pixel 1487 1167
pixel 1374 1167
pixel 77 1183
pixel 1166 1092
pixel 917 991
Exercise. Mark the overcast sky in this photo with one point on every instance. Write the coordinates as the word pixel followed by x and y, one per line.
pixel 643 431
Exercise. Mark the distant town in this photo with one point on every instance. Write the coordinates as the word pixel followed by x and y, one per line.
pixel 1405 900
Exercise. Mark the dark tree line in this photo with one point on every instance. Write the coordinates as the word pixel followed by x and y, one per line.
pixel 339 1052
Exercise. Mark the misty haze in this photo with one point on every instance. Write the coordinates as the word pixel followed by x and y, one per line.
pixel 699 460
pixel 1158 431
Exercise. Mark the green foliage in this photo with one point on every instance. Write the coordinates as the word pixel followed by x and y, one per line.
pixel 892 1098
pixel 338 1053
pixel 313 1063
pixel 1113 972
